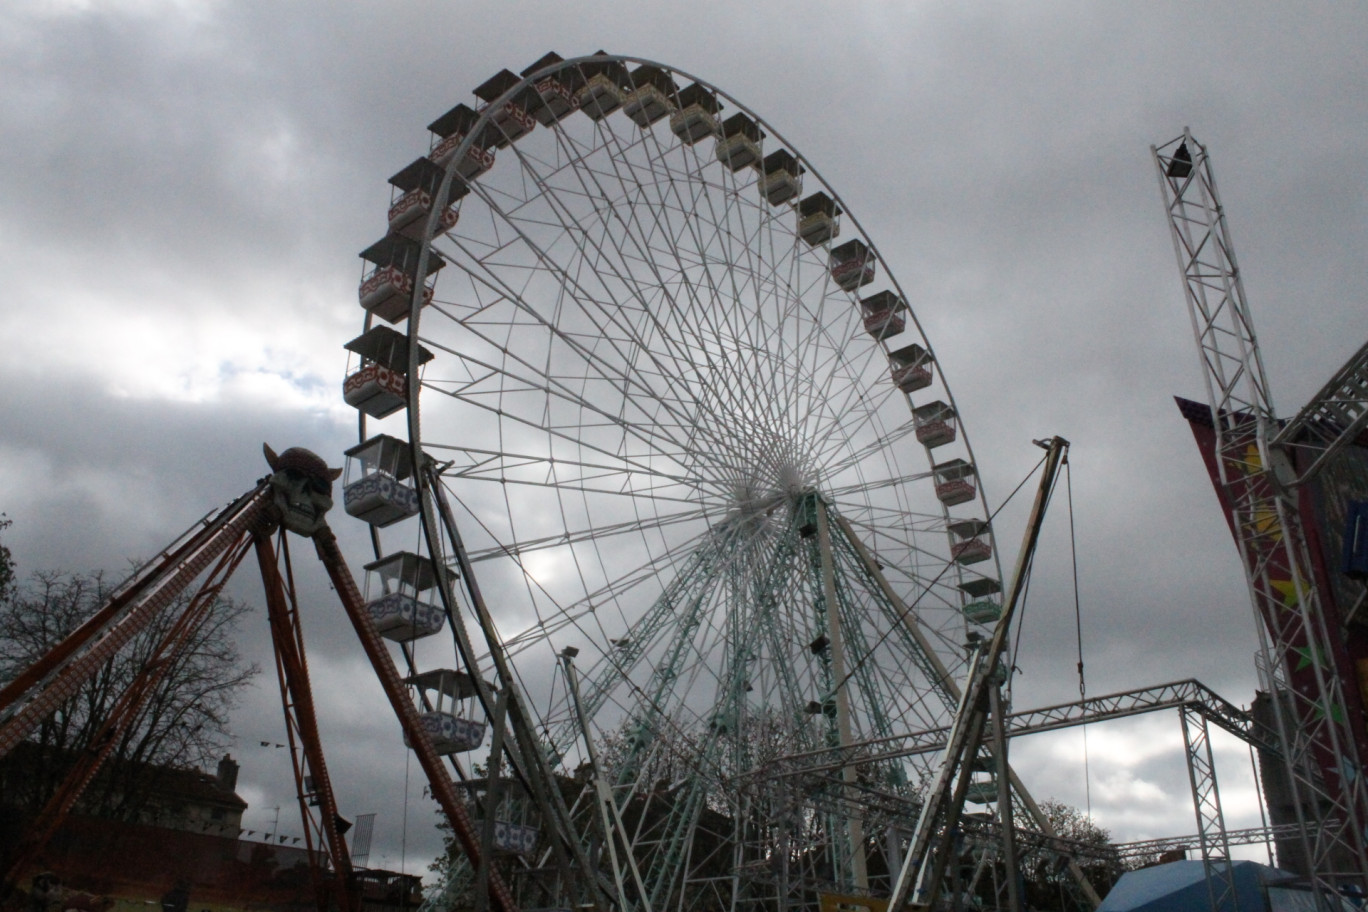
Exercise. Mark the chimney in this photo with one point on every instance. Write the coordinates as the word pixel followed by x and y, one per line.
pixel 228 773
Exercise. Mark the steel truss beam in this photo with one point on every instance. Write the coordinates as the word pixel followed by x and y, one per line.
pixel 1251 836
pixel 1321 738
pixel 1198 707
pixel 1206 800
pixel 1176 695
pixel 1334 417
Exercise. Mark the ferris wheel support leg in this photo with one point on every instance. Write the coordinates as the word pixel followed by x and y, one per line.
pixel 443 790
pixel 614 830
pixel 492 774
pixel 858 862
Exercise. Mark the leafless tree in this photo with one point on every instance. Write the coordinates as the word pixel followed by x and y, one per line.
pixel 183 724
pixel 6 562
pixel 1047 876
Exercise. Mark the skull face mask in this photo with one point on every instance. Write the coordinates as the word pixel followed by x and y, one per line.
pixel 301 488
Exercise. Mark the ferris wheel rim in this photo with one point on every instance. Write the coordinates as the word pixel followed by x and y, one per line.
pixel 898 434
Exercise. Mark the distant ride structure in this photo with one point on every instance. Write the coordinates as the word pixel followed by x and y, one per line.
pixel 1296 497
pixel 625 353
pixel 295 497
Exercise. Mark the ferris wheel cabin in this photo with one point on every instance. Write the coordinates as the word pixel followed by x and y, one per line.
pixel 739 145
pixel 954 481
pixel 910 367
pixel 387 290
pixel 557 93
pixel 450 130
pixel 884 314
pixel 373 484
pixel 380 386
pixel 652 95
pixel 982 608
pixel 817 216
pixel 935 424
pixel 852 265
pixel 697 114
pixel 513 120
pixel 417 188
pixel 604 87
pixel 783 177
pixel 514 838
pixel 982 789
pixel 401 600
pixel 448 724
pixel 970 546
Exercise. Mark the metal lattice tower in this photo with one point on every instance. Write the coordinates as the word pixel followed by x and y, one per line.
pixel 1321 750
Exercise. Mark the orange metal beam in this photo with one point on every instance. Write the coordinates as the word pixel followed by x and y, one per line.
pixel 301 724
pixel 440 783
pixel 123 714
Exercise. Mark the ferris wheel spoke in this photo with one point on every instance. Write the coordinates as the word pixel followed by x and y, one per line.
pixel 679 558
pixel 684 363
pixel 542 471
pixel 595 533
pixel 588 359
pixel 712 331
pixel 472 392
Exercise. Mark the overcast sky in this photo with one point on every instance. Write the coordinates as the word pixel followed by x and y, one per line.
pixel 186 186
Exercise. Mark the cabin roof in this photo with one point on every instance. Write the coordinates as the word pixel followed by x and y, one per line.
pixel 909 354
pixel 496 85
pixel 408 566
pixel 549 59
pixel 968 528
pixel 782 160
pixel 980 586
pixel 395 249
pixel 696 93
pixel 387 347
pixel 650 74
pixel 883 300
pixel 458 120
pixel 818 202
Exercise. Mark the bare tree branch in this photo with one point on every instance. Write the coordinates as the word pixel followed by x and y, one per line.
pixel 184 722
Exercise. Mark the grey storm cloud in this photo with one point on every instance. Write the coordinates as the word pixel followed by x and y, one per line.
pixel 187 185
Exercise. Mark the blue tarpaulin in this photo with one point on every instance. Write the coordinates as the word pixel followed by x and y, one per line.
pixel 1181 886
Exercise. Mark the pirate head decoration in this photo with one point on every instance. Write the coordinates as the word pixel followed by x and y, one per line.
pixel 302 486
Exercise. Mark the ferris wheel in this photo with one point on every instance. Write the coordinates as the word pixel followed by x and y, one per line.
pixel 622 335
